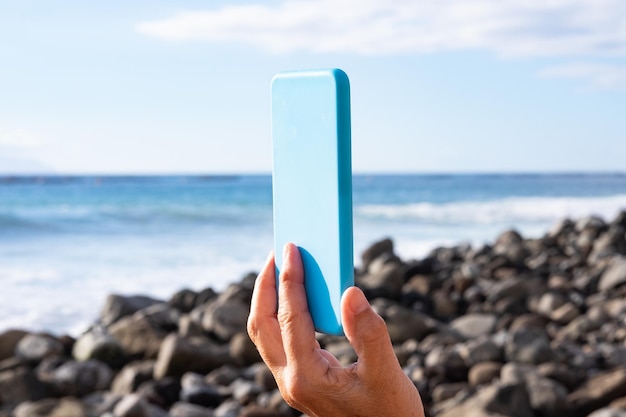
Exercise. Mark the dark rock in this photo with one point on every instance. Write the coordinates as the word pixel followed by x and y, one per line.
pixel 178 356
pixel 480 350
pixel 134 405
pixel 614 276
pixel 484 373
pixel 386 281
pixel 443 392
pixel 162 393
pixel 98 344
pixel 138 336
pixel 474 325
pixel 242 350
pixel 597 392
pixel 118 306
pixel 547 397
pixel 530 346
pixel 402 323
pixel 195 390
pixel 377 249
pixel 131 376
pixel 182 409
pixel 8 341
pixel 245 391
pixel 19 385
pixel 81 378
pixel 226 317
pixel 51 407
pixel 183 300
pixel 495 400
pixel 34 348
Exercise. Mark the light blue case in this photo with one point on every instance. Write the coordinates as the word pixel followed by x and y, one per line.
pixel 312 185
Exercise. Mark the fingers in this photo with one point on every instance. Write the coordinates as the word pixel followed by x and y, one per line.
pixel 263 326
pixel 367 333
pixel 293 312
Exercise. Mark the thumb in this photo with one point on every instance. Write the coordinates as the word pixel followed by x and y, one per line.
pixel 367 333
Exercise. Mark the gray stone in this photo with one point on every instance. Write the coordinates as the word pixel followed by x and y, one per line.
pixel 178 356
pixel 530 346
pixel 131 376
pixel 484 373
pixel 608 412
pixel 403 324
pixel 182 409
pixel 549 302
pixel 597 392
pixel 81 378
pixel 547 397
pixel 377 249
pixel 386 282
pixel 195 390
pixel 242 350
pixel 614 276
pixel 19 385
pixel 226 317
pixel 35 347
pixel 8 341
pixel 565 313
pixel 138 336
pixel 98 344
pixel 474 325
pixel 480 350
pixel 497 400
pixel 51 407
pixel 118 306
pixel 229 408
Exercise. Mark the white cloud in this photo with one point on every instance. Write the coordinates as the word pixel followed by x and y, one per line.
pixel 600 76
pixel 19 138
pixel 520 28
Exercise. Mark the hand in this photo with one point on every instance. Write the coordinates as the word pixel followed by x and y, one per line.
pixel 310 378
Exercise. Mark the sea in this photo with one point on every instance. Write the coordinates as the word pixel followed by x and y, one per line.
pixel 66 242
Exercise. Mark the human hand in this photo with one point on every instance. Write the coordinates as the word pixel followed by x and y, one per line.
pixel 311 379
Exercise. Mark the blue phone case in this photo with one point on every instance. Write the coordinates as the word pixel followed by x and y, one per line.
pixel 312 185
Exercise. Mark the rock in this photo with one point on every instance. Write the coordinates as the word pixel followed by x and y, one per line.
pixel 402 323
pixel 228 409
pixel 133 405
pixel 484 373
pixel 118 306
pixel 81 378
pixel 547 397
pixel 19 385
pixel 565 313
pixel 614 276
pixel 100 403
pixel 480 350
pixel 443 392
pixel 377 249
pixel 51 407
pixel 608 412
pixel 8 341
pixel 566 374
pixel 245 391
pixel 177 356
pixel 530 346
pixel 597 392
pixel 549 302
pixel 386 282
pixel 162 393
pixel 242 350
pixel 257 411
pixel 182 409
pixel 131 376
pixel 98 344
pixel 195 391
pixel 474 325
pixel 495 401
pixel 34 348
pixel 183 300
pixel 138 336
pixel 226 317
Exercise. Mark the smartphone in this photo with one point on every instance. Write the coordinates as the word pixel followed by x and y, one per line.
pixel 312 185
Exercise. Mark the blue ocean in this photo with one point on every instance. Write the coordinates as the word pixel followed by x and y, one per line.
pixel 67 242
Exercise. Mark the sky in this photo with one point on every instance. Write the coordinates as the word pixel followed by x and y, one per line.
pixel 437 86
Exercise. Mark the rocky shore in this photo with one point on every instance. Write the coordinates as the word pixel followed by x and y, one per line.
pixel 520 328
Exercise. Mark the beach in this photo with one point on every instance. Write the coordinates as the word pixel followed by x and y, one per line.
pixel 517 327
pixel 503 294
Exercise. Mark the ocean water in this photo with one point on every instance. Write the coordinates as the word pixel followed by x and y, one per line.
pixel 67 242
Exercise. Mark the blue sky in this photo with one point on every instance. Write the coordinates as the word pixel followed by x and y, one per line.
pixel 437 85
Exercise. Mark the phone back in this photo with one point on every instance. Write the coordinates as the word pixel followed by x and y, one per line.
pixel 312 184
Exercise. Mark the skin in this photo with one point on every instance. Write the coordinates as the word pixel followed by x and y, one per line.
pixel 311 379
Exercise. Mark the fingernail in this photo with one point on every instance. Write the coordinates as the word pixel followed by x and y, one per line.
pixel 357 302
